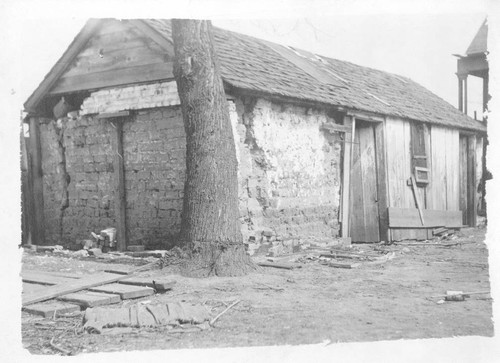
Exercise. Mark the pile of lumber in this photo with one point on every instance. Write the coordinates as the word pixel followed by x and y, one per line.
pixel 52 293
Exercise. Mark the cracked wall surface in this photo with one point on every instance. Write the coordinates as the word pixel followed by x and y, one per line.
pixel 289 174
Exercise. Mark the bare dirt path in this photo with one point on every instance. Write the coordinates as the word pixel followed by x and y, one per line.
pixel 306 305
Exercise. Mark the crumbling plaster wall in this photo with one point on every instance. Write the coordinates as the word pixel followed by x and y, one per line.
pixel 289 172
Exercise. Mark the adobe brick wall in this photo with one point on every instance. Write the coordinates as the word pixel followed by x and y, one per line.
pixel 154 146
pixel 288 169
pixel 89 165
pixel 289 173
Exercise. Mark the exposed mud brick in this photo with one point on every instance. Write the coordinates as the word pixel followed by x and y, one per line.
pixel 289 169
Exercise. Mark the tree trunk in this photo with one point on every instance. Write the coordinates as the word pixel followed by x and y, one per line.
pixel 210 227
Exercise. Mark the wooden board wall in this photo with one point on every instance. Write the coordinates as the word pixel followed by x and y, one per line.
pixel 399 164
pixel 118 53
pixel 443 189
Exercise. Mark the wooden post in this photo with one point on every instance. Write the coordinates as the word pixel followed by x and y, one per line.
pixel 346 182
pixel 485 93
pixel 382 198
pixel 38 232
pixel 120 201
pixel 465 95
pixel 346 177
pixel 460 94
pixel 471 182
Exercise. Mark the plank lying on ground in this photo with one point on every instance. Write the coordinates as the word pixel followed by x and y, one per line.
pixel 346 255
pixel 90 299
pixel 44 279
pixel 77 285
pixel 439 231
pixel 47 309
pixel 126 270
pixel 344 265
pixel 67 275
pixel 150 282
pixel 125 291
pixel 29 288
pixel 278 265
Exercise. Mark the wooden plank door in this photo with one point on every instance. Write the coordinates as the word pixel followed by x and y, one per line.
pixel 364 205
pixel 463 177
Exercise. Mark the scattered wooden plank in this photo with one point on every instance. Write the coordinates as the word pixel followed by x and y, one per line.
pixel 48 309
pixel 73 285
pixel 417 201
pixel 156 253
pixel 29 288
pixel 344 265
pixel 160 285
pixel 125 291
pixel 90 299
pixel 278 265
pixel 41 278
pixel 345 255
pixel 128 270
pixel 78 284
pixel 439 231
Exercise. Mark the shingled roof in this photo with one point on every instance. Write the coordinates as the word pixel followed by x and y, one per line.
pixel 256 65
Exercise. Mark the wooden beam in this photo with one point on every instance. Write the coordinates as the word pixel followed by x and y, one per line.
pixel 62 64
pixel 471 182
pixel 119 177
pixel 113 115
pixel 150 32
pixel 465 95
pixel 460 94
pixel 409 218
pixel 118 77
pixel 467 65
pixel 346 177
pixel 417 201
pixel 38 232
pixel 365 116
pixel 331 127
pixel 382 197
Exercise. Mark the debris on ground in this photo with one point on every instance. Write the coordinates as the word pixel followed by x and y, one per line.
pixel 138 315
pixel 452 295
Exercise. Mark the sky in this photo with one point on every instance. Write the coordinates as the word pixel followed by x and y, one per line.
pixel 412 38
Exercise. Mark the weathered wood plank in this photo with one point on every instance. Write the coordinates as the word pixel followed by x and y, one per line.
pixel 381 159
pixel 409 218
pixel 452 170
pixel 30 288
pixel 119 179
pixel 51 308
pixel 69 287
pixel 401 234
pixel 44 279
pixel 117 77
pixel 75 47
pixel 398 163
pixel 369 184
pixel 463 178
pixel 125 291
pixel 88 299
pixel 35 150
pixel 437 186
pixel 346 178
pixel 157 284
pixel 471 182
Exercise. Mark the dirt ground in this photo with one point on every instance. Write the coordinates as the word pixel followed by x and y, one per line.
pixel 306 305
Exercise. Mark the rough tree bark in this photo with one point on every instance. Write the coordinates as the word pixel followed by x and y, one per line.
pixel 210 228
